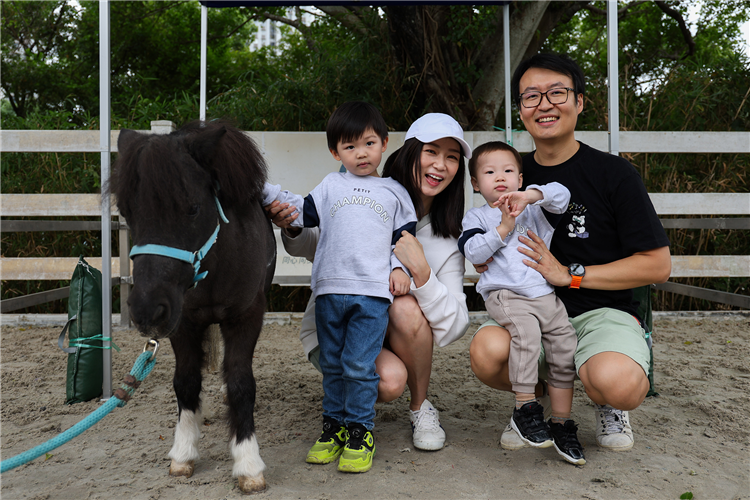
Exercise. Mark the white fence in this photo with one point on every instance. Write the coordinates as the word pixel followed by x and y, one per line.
pixel 299 160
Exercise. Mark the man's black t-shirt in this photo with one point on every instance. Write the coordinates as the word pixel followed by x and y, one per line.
pixel 610 217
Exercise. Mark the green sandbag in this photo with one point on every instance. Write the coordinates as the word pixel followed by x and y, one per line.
pixel 84 327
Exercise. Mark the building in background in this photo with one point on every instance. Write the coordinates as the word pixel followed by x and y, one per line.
pixel 269 34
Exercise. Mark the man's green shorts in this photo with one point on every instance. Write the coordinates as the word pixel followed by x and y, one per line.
pixel 603 330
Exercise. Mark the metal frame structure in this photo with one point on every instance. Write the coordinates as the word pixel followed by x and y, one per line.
pixel 105 134
pixel 105 146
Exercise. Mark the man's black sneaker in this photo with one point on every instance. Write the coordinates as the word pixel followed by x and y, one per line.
pixel 528 422
pixel 565 438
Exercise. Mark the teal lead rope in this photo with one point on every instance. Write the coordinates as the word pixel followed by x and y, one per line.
pixel 142 367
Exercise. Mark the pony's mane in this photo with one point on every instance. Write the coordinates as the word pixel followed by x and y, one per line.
pixel 237 165
pixel 150 167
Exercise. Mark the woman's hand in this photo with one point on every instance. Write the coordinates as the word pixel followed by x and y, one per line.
pixel 543 261
pixel 281 214
pixel 480 268
pixel 399 282
pixel 411 254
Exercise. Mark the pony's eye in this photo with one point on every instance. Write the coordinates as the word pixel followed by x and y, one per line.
pixel 194 210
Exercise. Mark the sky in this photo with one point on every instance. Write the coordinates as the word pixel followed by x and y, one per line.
pixel 694 8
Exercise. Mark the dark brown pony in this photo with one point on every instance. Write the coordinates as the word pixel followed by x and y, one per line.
pixel 167 187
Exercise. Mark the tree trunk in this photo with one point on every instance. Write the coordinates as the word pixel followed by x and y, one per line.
pixel 423 48
pixel 418 37
pixel 489 92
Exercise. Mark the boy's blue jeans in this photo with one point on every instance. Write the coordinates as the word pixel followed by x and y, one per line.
pixel 351 329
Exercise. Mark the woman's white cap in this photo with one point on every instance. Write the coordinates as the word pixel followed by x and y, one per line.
pixel 434 126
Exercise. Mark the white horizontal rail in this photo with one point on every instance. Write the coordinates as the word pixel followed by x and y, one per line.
pixel 298 160
pixel 67 141
pixel 684 266
pixel 48 268
pixel 52 205
pixel 71 141
pixel 53 141
pixel 295 271
pixel 687 203
pixel 714 266
pixel 701 203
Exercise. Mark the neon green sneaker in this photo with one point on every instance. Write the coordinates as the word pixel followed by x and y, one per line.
pixel 329 445
pixel 359 450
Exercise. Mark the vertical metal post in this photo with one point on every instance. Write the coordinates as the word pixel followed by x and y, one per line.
pixel 506 57
pixel 204 37
pixel 124 272
pixel 104 148
pixel 613 101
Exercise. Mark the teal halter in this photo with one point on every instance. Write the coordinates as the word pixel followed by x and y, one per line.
pixel 192 258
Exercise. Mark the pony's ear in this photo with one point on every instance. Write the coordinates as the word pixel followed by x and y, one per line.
pixel 127 139
pixel 203 145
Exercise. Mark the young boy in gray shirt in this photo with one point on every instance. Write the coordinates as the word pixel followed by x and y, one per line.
pixel 354 277
pixel 518 297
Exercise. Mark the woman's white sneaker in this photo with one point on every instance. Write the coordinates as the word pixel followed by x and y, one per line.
pixel 427 432
pixel 613 430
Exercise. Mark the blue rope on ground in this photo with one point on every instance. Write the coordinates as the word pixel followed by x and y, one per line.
pixel 142 367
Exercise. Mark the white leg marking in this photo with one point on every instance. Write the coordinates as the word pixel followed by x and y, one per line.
pixel 247 461
pixel 186 436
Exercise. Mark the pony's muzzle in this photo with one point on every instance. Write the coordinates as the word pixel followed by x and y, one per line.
pixel 155 314
pixel 161 314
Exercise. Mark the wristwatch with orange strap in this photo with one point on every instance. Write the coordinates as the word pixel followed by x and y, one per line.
pixel 577 272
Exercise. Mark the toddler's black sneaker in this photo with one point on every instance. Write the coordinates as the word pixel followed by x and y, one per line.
pixel 528 422
pixel 565 438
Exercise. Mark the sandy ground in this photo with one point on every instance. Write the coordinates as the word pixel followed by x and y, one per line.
pixel 694 437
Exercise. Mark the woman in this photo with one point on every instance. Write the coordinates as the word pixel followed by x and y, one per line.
pixel 430 165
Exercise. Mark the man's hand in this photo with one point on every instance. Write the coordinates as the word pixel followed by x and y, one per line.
pixel 541 259
pixel 399 282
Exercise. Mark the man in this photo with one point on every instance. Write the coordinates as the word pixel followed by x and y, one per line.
pixel 609 241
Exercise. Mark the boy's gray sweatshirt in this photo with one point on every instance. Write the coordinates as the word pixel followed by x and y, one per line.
pixel 360 220
pixel 480 241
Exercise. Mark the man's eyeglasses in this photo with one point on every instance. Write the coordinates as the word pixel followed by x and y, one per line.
pixel 554 96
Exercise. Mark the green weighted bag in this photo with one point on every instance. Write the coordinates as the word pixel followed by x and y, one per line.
pixel 84 328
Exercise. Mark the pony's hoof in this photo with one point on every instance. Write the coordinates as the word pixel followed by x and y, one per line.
pixel 252 484
pixel 181 469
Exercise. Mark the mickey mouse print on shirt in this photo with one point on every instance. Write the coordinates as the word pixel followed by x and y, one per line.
pixel 577 227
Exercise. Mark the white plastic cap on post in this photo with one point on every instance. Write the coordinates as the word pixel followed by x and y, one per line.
pixel 162 127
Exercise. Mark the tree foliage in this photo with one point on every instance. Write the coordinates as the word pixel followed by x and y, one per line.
pixel 50 54
pixel 449 58
pixel 34 36
pixel 440 57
